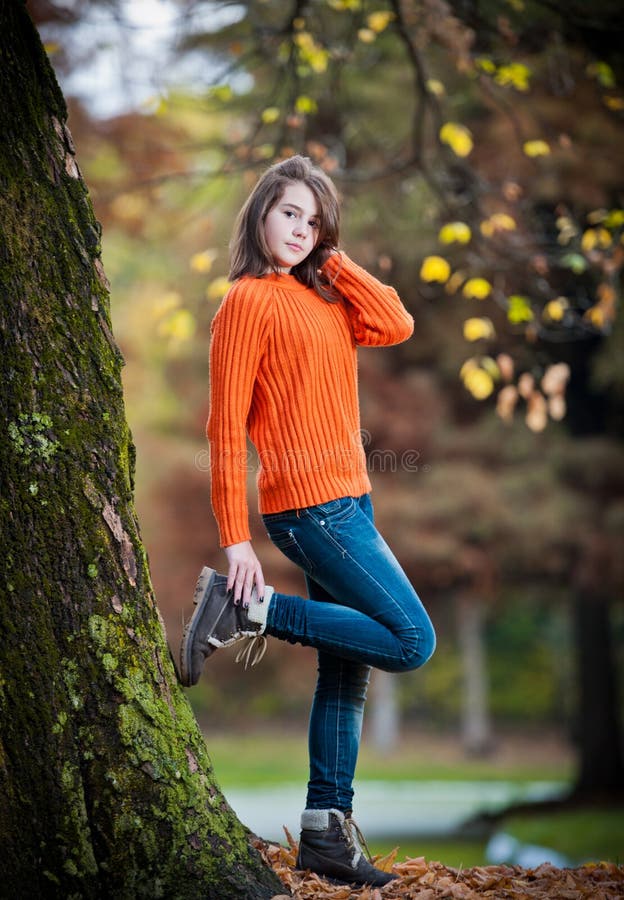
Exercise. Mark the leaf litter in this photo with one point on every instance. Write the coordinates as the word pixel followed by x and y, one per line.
pixel 430 880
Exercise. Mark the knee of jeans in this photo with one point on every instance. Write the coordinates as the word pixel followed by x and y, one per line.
pixel 419 649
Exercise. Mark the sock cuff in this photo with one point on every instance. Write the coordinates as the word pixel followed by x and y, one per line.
pixel 258 609
pixel 318 819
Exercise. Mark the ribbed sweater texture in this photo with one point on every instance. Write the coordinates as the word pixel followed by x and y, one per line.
pixel 283 370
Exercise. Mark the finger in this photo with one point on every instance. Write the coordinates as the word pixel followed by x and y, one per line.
pixel 247 587
pixel 239 586
pixel 260 585
pixel 232 575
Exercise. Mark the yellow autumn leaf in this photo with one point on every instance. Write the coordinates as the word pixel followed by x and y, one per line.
pixel 596 238
pixel 536 148
pixel 458 138
pixel 555 309
pixel 453 232
pixel 514 74
pixel 479 382
pixel 485 64
pixel 477 289
pixel 435 268
pixel 477 328
pixel 497 222
pixel 305 104
pixel 366 35
pixel 602 72
pixel 179 325
pixel 221 92
pixel 595 315
pixel 435 87
pixel 614 103
pixel 468 366
pixel 341 5
pixel 202 262
pixel 614 218
pixel 217 288
pixel 270 114
pixel 378 21
pixel 491 367
pixel 519 309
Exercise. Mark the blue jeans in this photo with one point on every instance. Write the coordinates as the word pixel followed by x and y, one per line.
pixel 364 613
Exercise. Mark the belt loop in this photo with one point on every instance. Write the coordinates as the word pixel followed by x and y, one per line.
pixel 298 516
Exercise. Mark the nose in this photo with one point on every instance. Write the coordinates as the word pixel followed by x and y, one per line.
pixel 301 228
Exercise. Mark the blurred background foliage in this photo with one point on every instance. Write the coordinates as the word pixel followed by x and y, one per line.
pixel 477 147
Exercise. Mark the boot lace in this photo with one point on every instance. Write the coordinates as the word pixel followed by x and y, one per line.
pixel 252 651
pixel 356 839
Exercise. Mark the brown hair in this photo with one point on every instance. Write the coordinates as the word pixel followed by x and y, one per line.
pixel 249 253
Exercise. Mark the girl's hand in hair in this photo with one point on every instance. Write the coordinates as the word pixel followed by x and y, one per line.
pixel 245 571
pixel 324 252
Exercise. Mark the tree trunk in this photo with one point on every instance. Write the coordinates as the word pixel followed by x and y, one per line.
pixel 385 718
pixel 601 769
pixel 475 726
pixel 106 786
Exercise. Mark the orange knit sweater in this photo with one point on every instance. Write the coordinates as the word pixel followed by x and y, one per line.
pixel 283 369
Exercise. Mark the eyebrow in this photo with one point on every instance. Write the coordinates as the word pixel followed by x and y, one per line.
pixel 299 209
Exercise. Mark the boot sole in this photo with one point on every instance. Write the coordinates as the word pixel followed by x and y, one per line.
pixel 201 597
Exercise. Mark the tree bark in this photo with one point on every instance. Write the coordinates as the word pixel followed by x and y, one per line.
pixel 476 729
pixel 601 768
pixel 385 717
pixel 106 786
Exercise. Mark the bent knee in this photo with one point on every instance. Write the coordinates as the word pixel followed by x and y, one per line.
pixel 418 650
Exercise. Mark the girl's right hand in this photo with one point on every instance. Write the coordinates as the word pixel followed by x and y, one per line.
pixel 245 571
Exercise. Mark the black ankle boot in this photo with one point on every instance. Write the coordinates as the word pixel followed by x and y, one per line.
pixel 330 846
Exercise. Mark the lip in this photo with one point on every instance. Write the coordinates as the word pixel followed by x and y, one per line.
pixel 296 247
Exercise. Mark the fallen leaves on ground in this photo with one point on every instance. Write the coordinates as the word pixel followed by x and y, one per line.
pixel 424 880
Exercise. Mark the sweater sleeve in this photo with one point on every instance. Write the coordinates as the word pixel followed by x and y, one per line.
pixel 239 334
pixel 377 315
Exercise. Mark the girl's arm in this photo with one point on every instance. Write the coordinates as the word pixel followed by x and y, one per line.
pixel 239 334
pixel 377 315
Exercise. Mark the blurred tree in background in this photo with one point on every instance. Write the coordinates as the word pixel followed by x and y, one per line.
pixel 477 147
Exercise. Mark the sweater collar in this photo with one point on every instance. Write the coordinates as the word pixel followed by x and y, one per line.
pixel 285 281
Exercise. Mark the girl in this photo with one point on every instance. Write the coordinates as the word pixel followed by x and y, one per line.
pixel 283 369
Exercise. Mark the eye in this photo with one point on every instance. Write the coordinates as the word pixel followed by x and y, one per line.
pixel 314 224
pixel 289 214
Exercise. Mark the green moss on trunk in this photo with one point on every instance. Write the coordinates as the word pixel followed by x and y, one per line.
pixel 106 783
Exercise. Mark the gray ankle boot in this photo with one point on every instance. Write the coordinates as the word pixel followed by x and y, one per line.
pixel 330 846
pixel 217 622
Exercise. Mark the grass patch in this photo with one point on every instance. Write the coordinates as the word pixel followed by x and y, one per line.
pixel 263 759
pixel 583 835
pixel 458 854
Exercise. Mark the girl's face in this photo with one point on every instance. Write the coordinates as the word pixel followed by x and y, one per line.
pixel 291 227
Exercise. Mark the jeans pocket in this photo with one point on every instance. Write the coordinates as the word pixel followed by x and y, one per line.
pixel 335 511
pixel 285 540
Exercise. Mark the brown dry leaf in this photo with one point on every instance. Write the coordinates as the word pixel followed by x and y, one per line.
pixel 292 843
pixel 422 880
pixel 384 863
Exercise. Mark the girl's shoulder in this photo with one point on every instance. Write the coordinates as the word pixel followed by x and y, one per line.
pixel 246 297
pixel 248 290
